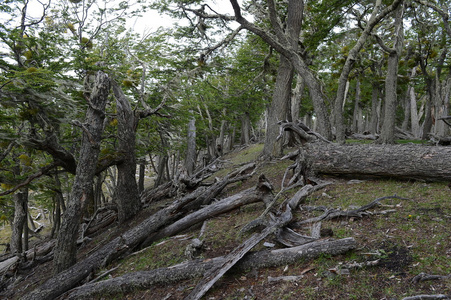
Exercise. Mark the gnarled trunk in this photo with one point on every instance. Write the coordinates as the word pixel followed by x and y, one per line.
pixel 19 222
pixel 65 249
pixel 278 108
pixel 126 194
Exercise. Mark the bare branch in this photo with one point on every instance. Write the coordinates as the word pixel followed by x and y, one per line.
pixel 43 171
pixel 442 13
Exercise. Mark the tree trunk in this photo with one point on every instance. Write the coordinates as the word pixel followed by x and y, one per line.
pixel 162 159
pixel 58 201
pixel 375 94
pixel 126 194
pixel 392 161
pixel 296 98
pixel 357 117
pixel 197 268
pixel 431 89
pixel 414 118
pixel 278 109
pixel 350 61
pixel 65 249
pixel 388 127
pixel 190 160
pixel 25 224
pixel 222 148
pixel 245 129
pixel 19 221
pixel 142 176
pixel 442 104
pixel 427 124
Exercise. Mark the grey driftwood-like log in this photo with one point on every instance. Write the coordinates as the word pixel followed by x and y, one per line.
pixel 393 161
pixel 233 257
pixel 127 242
pixel 197 268
pixel 407 161
pixel 330 214
pixel 245 197
pixel 427 297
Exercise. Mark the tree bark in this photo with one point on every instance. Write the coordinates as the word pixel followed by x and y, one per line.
pixel 142 176
pixel 190 160
pixel 245 128
pixel 197 268
pixel 126 194
pixel 19 221
pixel 296 98
pixel 414 118
pixel 388 127
pixel 375 94
pixel 278 108
pixel 393 161
pixel 357 117
pixel 246 197
pixel 65 250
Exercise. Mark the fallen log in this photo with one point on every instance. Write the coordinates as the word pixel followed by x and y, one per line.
pixel 245 197
pixel 127 242
pixel 427 297
pixel 193 269
pixel 407 161
pixel 233 257
pixel 8 264
pixel 330 214
pixel 393 161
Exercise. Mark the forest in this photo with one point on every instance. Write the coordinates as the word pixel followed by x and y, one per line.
pixel 101 124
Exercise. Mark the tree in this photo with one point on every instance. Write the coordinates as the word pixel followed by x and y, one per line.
pixel 65 249
pixel 388 127
pixel 279 106
pixel 350 60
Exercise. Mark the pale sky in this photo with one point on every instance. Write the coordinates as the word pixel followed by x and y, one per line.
pixel 152 20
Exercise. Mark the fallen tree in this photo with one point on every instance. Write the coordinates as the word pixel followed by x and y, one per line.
pixel 243 198
pixel 407 161
pixel 129 241
pixel 394 161
pixel 197 268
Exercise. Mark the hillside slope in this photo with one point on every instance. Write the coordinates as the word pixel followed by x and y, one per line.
pixel 396 241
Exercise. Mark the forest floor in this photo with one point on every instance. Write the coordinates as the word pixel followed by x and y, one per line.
pixel 412 237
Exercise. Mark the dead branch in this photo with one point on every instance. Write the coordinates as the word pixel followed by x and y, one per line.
pixel 245 197
pixel 335 213
pixel 427 297
pixel 43 171
pixel 233 257
pixel 425 277
pixel 196 268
